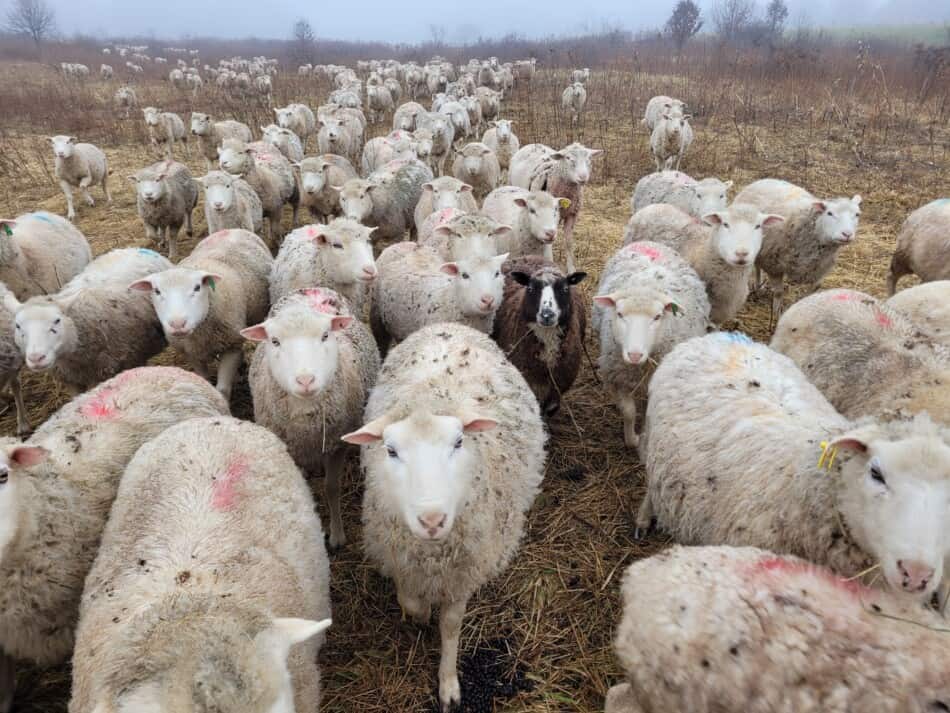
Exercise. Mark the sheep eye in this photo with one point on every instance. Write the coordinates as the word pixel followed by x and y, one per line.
pixel 391 452
pixel 458 443
pixel 533 211
pixel 4 475
pixel 57 321
pixel 657 318
pixel 758 226
pixel 464 275
pixel 198 287
pixel 831 214
pixel 275 342
pixel 157 291
pixel 497 273
pixel 877 475
pixel 326 336
pixel 725 225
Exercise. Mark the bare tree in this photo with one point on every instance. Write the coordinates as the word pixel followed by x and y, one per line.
pixel 33 18
pixel 776 13
pixel 684 22
pixel 438 33
pixel 303 43
pixel 731 18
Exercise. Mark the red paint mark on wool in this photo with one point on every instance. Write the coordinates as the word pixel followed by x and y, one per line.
pixel 844 296
pixel 786 568
pixel 445 215
pixel 648 251
pixel 320 301
pixel 217 237
pixel 883 320
pixel 224 490
pixel 101 405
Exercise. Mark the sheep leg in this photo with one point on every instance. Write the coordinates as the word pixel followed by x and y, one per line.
pixel 171 239
pixel 7 682
pixel 84 185
pixel 227 371
pixel 645 515
pixel 569 240
pixel 332 470
pixel 189 225
pixel 620 699
pixel 105 187
pixel 548 252
pixel 628 408
pixel 777 283
pixel 450 627
pixel 898 270
pixel 23 426
pixel 413 607
pixel 68 192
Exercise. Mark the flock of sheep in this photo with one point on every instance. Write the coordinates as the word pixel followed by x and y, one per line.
pixel 422 316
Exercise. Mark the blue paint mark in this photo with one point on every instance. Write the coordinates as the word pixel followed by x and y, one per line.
pixel 941 201
pixel 150 253
pixel 735 337
pixel 44 216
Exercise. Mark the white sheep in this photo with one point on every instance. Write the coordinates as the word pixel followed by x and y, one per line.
pixel 298 118
pixel 669 141
pixel 927 305
pixel 387 198
pixel 803 248
pixel 741 449
pixel 747 630
pixel 338 256
pixel 79 165
pixel 864 357
pixel 379 151
pixel 125 99
pixel 404 118
pixel 11 361
pixel 415 287
pixel 165 128
pixel 502 140
pixel 56 492
pixel 336 136
pixel 284 140
pixel 211 587
pixel 563 174
pixel 648 301
pixel 660 105
pixel 94 327
pixel 722 247
pixel 310 376
pixel 532 215
pixel 442 138
pixel 230 203
pixel 453 459
pixel 580 75
pixel 379 102
pixel 698 198
pixel 166 196
pixel 922 245
pixel 40 252
pixel 320 176
pixel 211 134
pixel 105 71
pixel 477 165
pixel 442 193
pixel 573 101
pixel 467 236
pixel 209 297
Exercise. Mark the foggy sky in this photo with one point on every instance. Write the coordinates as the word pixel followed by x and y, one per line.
pixel 409 21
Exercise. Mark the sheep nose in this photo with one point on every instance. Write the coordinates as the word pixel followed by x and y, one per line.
pixel 550 234
pixel 306 380
pixel 36 358
pixel 488 300
pixel 432 521
pixel 847 234
pixel 634 357
pixel 914 575
pixel 177 323
pixel 369 272
pixel 219 205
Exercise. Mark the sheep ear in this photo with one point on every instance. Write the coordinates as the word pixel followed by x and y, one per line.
pixel 522 278
pixel 444 231
pixel 818 206
pixel 369 433
pixel 65 301
pixel 11 303
pixel 143 285
pixel 210 279
pixel 501 230
pixel 728 185
pixel 672 307
pixel 339 323
pixel 256 333
pixel 713 219
pixel 285 632
pixel 449 268
pixel 27 456
pixel 134 179
pixel 475 423
pixel 427 187
pixel 465 188
pixel 856 441
pixel 772 219
pixel 521 202
pixel 575 278
pixel 605 300
pixel 556 156
pixel 856 199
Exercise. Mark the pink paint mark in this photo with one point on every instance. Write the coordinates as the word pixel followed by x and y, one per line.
pixel 844 296
pixel 217 237
pixel 883 320
pixel 781 567
pixel 224 494
pixel 445 215
pixel 320 301
pixel 101 405
pixel 648 251
pixel 312 231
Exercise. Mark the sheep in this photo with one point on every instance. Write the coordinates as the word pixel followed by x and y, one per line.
pixel 442 193
pixel 743 629
pixel 415 287
pixel 395 89
pixel 404 118
pixel 532 215
pixel 299 119
pixel 211 134
pixel 125 99
pixel 563 174
pixel 387 198
pixel 921 245
pixel 443 137
pixel 541 326
pixel 928 306
pixel 864 357
pixel 93 328
pixel 379 151
pixel 230 203
pixel 336 137
pixel 477 165
pixel 721 248
pixel 669 141
pixel 188 605
pixel 697 198
pixel 79 165
pixel 105 71
pixel 62 482
pixel 264 87
pixel 437 220
pixel 11 361
pixel 338 256
pixel 490 101
pixel 458 115
pixel 474 109
pixel 310 375
pixel 320 176
pixel 270 175
pixel 648 301
pixel 500 139
pixel 166 195
pixel 580 76
pixel 466 236
pixel 39 252
pixel 165 127
pixel 803 248
pixel 573 100
pixel 658 106
pixel 209 297
pixel 463 436
pixel 379 102
pixel 284 140
pixel 732 446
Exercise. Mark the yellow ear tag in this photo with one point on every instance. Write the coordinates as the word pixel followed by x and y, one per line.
pixel 828 453
pixel 565 203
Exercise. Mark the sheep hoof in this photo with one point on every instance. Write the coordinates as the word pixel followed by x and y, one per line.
pixel 631 439
pixel 335 542
pixel 644 531
pixel 450 694
pixel 550 408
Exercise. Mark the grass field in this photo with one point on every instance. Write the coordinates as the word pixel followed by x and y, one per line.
pixel 551 616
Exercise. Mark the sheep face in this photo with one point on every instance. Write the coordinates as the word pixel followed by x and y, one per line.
pixel 711 195
pixel 446 192
pixel 43 330
pixel 285 117
pixel 637 321
pixel 895 500
pixel 544 213
pixel 422 143
pixel 235 158
pixel 152 115
pixel 502 130
pixel 301 347
pixel 478 283
pixel 149 186
pixel 473 159
pixel 200 124
pixel 737 234
pixel 837 221
pixel 427 466
pixel 312 182
pixel 547 296
pixel 356 200
pixel 63 146
pixel 347 250
pixel 575 162
pixel 181 297
pixel 219 190
pixel 13 459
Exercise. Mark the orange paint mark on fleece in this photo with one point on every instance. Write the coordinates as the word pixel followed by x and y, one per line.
pixel 224 491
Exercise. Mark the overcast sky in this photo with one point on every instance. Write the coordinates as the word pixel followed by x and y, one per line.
pixel 393 21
